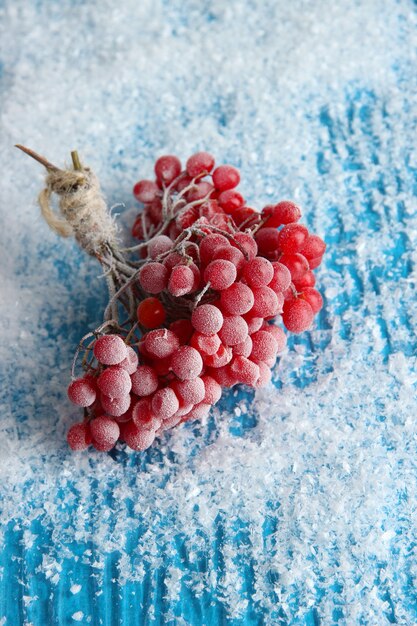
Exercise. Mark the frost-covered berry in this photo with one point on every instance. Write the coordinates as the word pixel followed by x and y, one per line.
pixel 314 298
pixel 222 357
pixel 82 391
pixel 200 191
pixel 268 243
pixel 226 177
pixel 130 363
pixel 207 319
pixel 278 334
pixel 258 272
pixel 232 254
pixel 144 381
pixel 234 330
pixel 158 245
pixel 114 382
pixel 145 191
pixel 292 238
pixel 105 433
pixel 153 277
pixel 151 313
pixel 247 243
pixel 143 416
pixel 213 390
pixel 115 406
pixel 285 212
pixel 220 274
pixel 254 323
pixel 297 315
pixel 246 371
pixel 183 329
pixel 190 391
pixel 198 412
pixel 296 263
pixel 161 343
pixel 167 168
pixel 264 376
pixel 281 279
pixel 231 200
pixel 186 363
pixel 79 436
pixel 244 348
pixel 266 302
pixel 205 344
pixel 165 403
pixel 209 244
pixel 237 299
pixel 181 280
pixel 313 247
pixel 110 349
pixel 264 346
pixel 199 163
pixel 137 438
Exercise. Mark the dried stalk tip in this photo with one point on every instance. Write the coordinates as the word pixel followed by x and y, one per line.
pixel 76 161
pixel 34 155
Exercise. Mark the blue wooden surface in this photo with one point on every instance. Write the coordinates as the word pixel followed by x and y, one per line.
pixel 299 508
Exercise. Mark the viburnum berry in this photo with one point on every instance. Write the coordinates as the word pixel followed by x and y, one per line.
pixel 198 412
pixel 82 391
pixel 231 200
pixel 222 357
pixel 186 363
pixel 110 349
pixel 145 191
pixel 285 212
pixel 165 403
pixel 161 343
pixel 268 243
pixel 144 381
pixel 143 416
pixel 234 330
pixel 314 263
pixel 199 163
pixel 254 323
pixel 213 391
pixel 130 363
pixel 265 302
pixel 245 370
pixel 296 263
pixel 297 315
pixel 258 272
pixel 292 238
pixel 167 169
pixel 115 406
pixel 183 329
pixel 281 279
pixel 114 382
pixel 153 277
pixel 209 244
pixel 313 297
pixel 79 436
pixel 220 274
pixel 205 344
pixel 226 177
pixel 159 245
pixel 207 319
pixel 181 280
pixel 313 247
pixel 137 438
pixel 244 348
pixel 104 432
pixel 264 346
pixel 229 253
pixel 278 334
pixel 190 391
pixel 237 299
pixel 265 375
pixel 307 280
pixel 151 313
pixel 246 242
pixel 200 191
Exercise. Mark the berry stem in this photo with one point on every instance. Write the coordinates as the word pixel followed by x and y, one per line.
pixel 76 161
pixel 37 157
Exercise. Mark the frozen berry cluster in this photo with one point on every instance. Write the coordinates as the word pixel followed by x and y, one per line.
pixel 213 277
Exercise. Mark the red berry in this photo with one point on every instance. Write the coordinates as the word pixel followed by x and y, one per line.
pixel 313 297
pixel 130 363
pixel 222 357
pixel 145 191
pixel 254 323
pixel 105 433
pixel 144 381
pixel 110 349
pixel 281 279
pixel 158 245
pixel 292 238
pixel 314 263
pixel 237 299
pixel 296 263
pixel 229 253
pixel 199 163
pixel 245 215
pixel 231 200
pixel 225 376
pixel 190 391
pixel 247 372
pixel 234 330
pixel 198 412
pixel 220 274
pixel 151 313
pixel 207 319
pixel 161 343
pixel 115 406
pixel 82 392
pixel 200 191
pixel 165 403
pixel 313 247
pixel 114 382
pixel 278 334
pixel 206 344
pixel 167 168
pixel 266 302
pixel 137 438
pixel 244 348
pixel 226 177
pixel 264 376
pixel 268 243
pixel 285 212
pixel 183 329
pixel 213 390
pixel 153 277
pixel 258 272
pixel 143 416
pixel 264 346
pixel 209 244
pixel 79 436
pixel 181 280
pixel 187 216
pixel 186 363
pixel 308 280
pixel 247 243
pixel 297 315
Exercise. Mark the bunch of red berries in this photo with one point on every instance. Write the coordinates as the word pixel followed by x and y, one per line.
pixel 200 303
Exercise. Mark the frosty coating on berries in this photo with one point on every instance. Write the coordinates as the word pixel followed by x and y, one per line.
pixel 195 305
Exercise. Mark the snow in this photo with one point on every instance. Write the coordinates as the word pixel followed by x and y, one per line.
pixel 297 499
